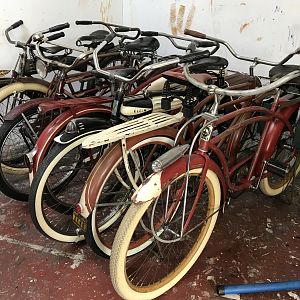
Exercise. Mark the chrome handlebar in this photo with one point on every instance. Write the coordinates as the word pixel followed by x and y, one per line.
pixel 213 89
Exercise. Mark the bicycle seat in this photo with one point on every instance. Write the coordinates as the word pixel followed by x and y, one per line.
pixel 144 44
pixel 124 72
pixel 279 71
pixel 93 39
pixel 52 50
pixel 81 67
pixel 209 63
pixel 179 78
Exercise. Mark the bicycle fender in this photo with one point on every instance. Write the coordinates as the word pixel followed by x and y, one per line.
pixel 152 187
pixel 18 110
pixel 275 128
pixel 91 189
pixel 81 127
pixel 33 80
pixel 56 126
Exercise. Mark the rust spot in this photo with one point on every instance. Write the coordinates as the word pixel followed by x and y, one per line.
pixel 180 18
pixel 190 17
pixel 173 18
pixel 177 18
pixel 259 39
pixel 244 26
pixel 105 8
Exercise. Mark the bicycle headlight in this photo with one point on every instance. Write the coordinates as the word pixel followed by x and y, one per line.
pixel 41 68
pixel 72 127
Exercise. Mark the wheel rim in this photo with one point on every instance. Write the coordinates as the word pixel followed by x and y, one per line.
pixel 106 220
pixel 17 143
pixel 62 188
pixel 161 277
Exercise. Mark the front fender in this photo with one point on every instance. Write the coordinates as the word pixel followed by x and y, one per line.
pixel 81 127
pixel 16 111
pixel 152 187
pixel 90 193
pixel 56 126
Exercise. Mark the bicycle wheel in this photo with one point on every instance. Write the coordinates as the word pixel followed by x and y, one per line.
pixel 16 139
pixel 286 154
pixel 153 271
pixel 16 93
pixel 56 189
pixel 114 186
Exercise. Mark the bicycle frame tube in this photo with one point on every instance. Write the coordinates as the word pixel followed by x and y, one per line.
pixel 274 123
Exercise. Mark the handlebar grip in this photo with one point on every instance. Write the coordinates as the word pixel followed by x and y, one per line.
pixel 149 33
pixel 84 22
pixel 125 29
pixel 194 56
pixel 16 24
pixel 59 27
pixel 55 36
pixel 195 34
pixel 206 44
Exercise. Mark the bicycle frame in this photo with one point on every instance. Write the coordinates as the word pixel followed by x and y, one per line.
pixel 275 120
pixel 50 132
pixel 90 193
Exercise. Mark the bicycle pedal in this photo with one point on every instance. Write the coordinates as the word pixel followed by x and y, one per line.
pixel 276 167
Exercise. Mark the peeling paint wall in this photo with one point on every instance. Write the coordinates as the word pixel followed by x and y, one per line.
pixel 267 29
pixel 38 15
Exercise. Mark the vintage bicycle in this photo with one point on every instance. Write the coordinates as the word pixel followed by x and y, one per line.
pixel 176 208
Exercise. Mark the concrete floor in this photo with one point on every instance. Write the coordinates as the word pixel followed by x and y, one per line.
pixel 256 240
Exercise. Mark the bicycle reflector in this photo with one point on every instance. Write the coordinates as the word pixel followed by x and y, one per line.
pixel 169 157
pixel 78 208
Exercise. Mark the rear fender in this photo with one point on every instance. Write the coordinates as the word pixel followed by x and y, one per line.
pixel 56 126
pixel 275 128
pixel 152 187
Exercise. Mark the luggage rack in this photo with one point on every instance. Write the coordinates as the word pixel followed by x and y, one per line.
pixel 132 128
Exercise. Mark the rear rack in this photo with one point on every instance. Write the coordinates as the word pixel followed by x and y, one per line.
pixel 132 128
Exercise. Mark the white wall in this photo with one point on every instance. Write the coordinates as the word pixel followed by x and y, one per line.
pixel 38 15
pixel 268 29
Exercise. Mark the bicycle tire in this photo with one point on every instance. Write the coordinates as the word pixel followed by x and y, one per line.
pixel 104 175
pixel 118 261
pixel 19 87
pixel 12 161
pixel 38 203
pixel 273 185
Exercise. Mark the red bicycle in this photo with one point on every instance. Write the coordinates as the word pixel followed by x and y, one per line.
pixel 176 208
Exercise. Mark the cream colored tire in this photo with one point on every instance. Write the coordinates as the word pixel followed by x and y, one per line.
pixel 273 190
pixel 5 92
pixel 93 237
pixel 126 230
